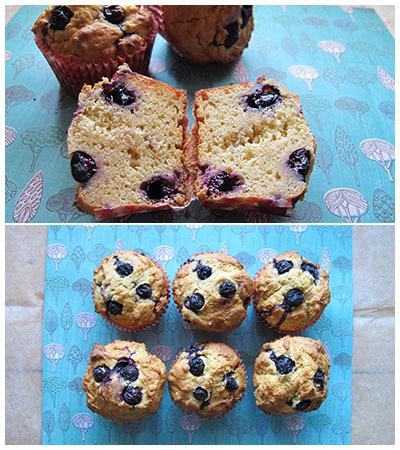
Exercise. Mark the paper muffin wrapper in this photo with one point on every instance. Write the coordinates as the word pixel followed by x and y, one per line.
pixel 159 314
pixel 72 74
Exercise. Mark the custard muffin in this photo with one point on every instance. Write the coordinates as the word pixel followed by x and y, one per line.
pixel 83 43
pixel 204 33
pixel 291 375
pixel 130 290
pixel 123 382
pixel 291 293
pixel 207 379
pixel 213 291
pixel 251 147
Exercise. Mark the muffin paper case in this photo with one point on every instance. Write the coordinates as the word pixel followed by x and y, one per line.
pixel 73 74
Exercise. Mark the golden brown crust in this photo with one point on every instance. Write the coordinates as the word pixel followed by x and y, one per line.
pixel 270 289
pixel 105 398
pixel 137 313
pixel 281 393
pixel 219 360
pixel 219 315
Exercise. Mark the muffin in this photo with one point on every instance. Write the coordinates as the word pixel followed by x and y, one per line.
pixel 291 375
pixel 126 146
pixel 123 382
pixel 205 34
pixel 207 379
pixel 251 147
pixel 130 290
pixel 291 293
pixel 84 43
pixel 213 291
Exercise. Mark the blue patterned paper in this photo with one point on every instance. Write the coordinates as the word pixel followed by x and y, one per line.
pixel 71 327
pixel 340 60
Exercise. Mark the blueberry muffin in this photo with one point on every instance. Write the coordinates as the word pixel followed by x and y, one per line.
pixel 291 293
pixel 213 291
pixel 130 290
pixel 126 146
pixel 123 382
pixel 291 375
pixel 83 43
pixel 207 379
pixel 251 147
pixel 204 34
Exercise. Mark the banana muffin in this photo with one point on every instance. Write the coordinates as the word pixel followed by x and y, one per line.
pixel 213 291
pixel 130 290
pixel 123 382
pixel 204 33
pixel 291 293
pixel 83 43
pixel 251 147
pixel 207 379
pixel 291 375
pixel 126 146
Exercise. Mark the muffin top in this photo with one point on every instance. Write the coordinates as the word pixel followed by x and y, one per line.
pixel 291 375
pixel 213 291
pixel 130 290
pixel 95 32
pixel 291 292
pixel 123 382
pixel 207 379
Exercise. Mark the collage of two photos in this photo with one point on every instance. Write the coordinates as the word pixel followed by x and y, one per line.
pixel 205 196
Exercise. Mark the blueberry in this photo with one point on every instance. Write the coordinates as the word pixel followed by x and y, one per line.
pixel 292 299
pixel 230 383
pixel 246 12
pixel 114 14
pixel 203 272
pixel 200 394
pixel 60 17
pixel 319 379
pixel 283 364
pixel 83 167
pixel 113 307
pixel 193 348
pixel 299 162
pixel 132 395
pixel 159 188
pixel 100 373
pixel 144 291
pixel 119 94
pixel 121 364
pixel 227 289
pixel 283 266
pixel 196 366
pixel 304 404
pixel 307 267
pixel 233 34
pixel 123 269
pixel 130 372
pixel 223 182
pixel 262 97
pixel 194 302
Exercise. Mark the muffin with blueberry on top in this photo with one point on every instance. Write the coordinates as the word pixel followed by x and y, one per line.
pixel 207 379
pixel 212 291
pixel 83 43
pixel 123 382
pixel 291 293
pixel 291 375
pixel 130 290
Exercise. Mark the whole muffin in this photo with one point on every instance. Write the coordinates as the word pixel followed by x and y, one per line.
pixel 130 290
pixel 84 43
pixel 291 293
pixel 291 375
pixel 213 291
pixel 204 34
pixel 207 379
pixel 123 382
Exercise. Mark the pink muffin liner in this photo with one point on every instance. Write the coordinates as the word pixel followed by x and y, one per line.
pixel 72 74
